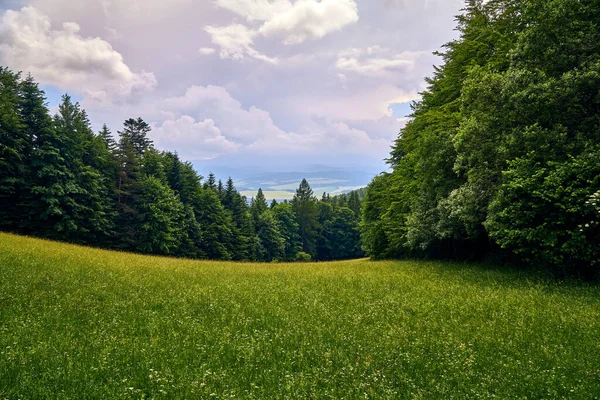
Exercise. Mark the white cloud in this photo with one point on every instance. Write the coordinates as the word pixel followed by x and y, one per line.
pixel 302 111
pixel 253 131
pixel 236 42
pixel 255 10
pixel 193 140
pixel 366 104
pixel 310 19
pixel 215 102
pixel 376 61
pixel 206 51
pixel 294 22
pixel 64 58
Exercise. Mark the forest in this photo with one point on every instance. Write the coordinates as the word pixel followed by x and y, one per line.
pixel 501 159
pixel 62 181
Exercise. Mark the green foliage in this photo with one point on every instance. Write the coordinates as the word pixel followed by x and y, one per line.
pixel 304 205
pixel 288 229
pixel 161 214
pixel 508 118
pixel 339 238
pixel 303 257
pixel 548 212
pixel 14 145
pixel 271 243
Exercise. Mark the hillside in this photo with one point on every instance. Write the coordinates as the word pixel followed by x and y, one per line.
pixel 78 322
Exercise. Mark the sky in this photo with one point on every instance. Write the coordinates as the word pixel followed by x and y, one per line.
pixel 238 85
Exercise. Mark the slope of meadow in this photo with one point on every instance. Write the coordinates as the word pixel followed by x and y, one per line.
pixel 77 322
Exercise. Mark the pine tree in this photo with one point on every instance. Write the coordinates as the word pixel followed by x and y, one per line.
pixel 216 226
pixel 259 206
pixel 90 213
pixel 56 212
pixel 288 229
pixel 128 186
pixel 271 243
pixel 106 135
pixel 211 182
pixel 14 144
pixel 354 203
pixel 136 131
pixel 305 207
pixel 220 190
pixel 243 237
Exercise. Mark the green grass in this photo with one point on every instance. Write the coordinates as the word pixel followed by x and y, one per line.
pixel 80 323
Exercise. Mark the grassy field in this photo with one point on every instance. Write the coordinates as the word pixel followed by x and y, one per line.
pixel 84 323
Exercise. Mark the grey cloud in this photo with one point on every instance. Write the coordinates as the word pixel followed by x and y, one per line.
pixel 294 110
pixel 64 58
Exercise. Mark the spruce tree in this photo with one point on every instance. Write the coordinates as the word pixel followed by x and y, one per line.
pixel 305 207
pixel 211 182
pixel 288 229
pixel 136 131
pixel 242 231
pixel 106 135
pixel 354 203
pixel 14 145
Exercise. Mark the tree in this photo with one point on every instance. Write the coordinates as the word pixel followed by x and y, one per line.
pixel 242 230
pixel 216 226
pixel 15 144
pixel 259 206
pixel 271 242
pixel 211 182
pixel 506 120
pixel 106 135
pixel 135 131
pixel 342 233
pixel 304 205
pixel 548 213
pixel 354 203
pixel 288 230
pixel 161 215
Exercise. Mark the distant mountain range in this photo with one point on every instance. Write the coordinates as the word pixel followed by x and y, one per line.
pixel 283 185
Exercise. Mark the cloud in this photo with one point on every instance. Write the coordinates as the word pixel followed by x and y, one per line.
pixel 310 19
pixel 215 102
pixel 376 61
pixel 303 109
pixel 206 51
pixel 193 140
pixel 64 58
pixel 255 10
pixel 366 104
pixel 232 128
pixel 236 42
pixel 293 23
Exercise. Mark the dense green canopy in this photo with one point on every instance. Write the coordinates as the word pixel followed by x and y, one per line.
pixel 502 155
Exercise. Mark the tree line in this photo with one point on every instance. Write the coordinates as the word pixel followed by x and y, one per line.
pixel 60 180
pixel 502 155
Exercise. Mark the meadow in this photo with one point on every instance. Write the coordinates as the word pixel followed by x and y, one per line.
pixel 77 322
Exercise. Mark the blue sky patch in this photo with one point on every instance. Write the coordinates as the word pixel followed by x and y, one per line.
pixel 54 94
pixel 400 110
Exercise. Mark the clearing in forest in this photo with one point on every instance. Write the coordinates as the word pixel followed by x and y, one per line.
pixel 77 322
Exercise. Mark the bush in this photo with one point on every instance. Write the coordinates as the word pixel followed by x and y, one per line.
pixel 303 257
